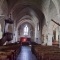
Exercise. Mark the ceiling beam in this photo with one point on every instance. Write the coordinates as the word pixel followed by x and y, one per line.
pixel 55 22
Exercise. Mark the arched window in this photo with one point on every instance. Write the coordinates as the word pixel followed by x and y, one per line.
pixel 26 30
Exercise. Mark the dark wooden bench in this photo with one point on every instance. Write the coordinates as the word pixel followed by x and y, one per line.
pixel 10 51
pixel 46 52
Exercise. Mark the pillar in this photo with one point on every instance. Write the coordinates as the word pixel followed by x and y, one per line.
pixel 49 42
pixel 59 36
pixel 35 40
pixel 45 40
pixel 37 35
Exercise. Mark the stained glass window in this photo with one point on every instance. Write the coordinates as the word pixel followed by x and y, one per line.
pixel 26 30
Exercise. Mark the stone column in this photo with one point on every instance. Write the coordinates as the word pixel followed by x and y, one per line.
pixel 49 42
pixel 37 35
pixel 45 40
pixel 59 36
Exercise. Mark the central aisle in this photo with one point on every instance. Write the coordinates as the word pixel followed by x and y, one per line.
pixel 26 54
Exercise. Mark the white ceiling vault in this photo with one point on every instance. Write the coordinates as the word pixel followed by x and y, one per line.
pixel 44 10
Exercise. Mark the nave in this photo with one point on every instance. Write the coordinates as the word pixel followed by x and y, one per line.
pixel 26 21
pixel 26 54
pixel 16 51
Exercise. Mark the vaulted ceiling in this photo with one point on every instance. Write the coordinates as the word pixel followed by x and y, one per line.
pixel 16 7
pixel 20 8
pixel 42 9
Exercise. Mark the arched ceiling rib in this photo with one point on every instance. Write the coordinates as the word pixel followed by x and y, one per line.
pixel 28 24
pixel 26 21
pixel 13 3
pixel 20 8
pixel 26 11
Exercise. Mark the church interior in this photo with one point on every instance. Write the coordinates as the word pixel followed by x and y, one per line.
pixel 29 29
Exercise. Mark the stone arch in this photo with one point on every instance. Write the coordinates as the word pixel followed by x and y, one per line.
pixel 31 31
pixel 22 22
pixel 19 7
pixel 53 12
pixel 53 15
pixel 29 21
pixel 56 5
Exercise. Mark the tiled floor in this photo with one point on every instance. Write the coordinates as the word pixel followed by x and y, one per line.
pixel 26 54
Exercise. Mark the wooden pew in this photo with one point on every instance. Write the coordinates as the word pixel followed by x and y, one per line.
pixel 10 51
pixel 46 52
pixel 3 57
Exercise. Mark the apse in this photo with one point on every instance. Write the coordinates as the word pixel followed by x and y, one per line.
pixel 26 30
